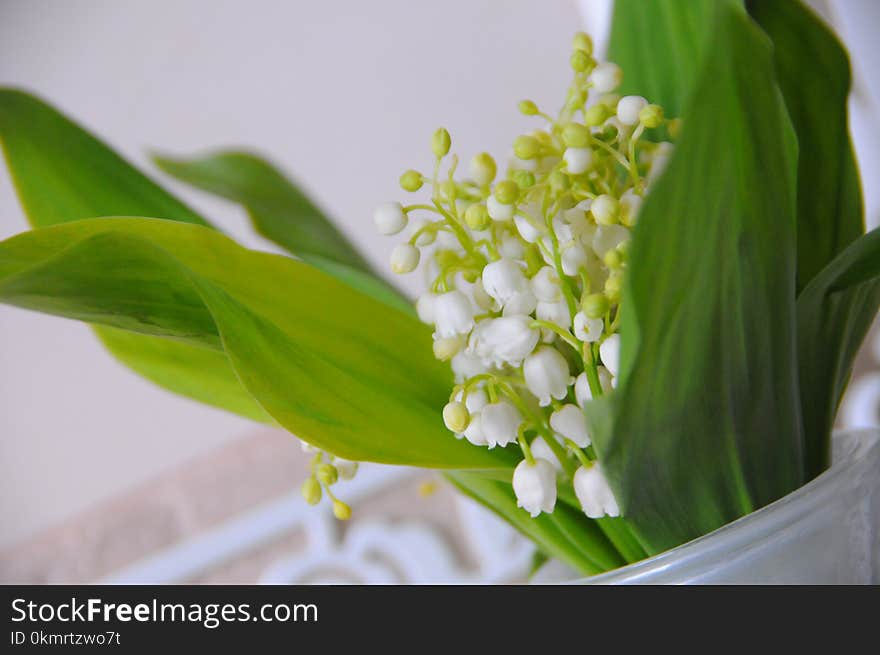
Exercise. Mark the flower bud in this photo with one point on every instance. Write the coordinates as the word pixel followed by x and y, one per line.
pixel 526 147
pixel 527 108
pixel 404 258
pixel 540 450
pixel 453 314
pixel 411 180
pixel 341 511
pixel 327 474
pixel 346 468
pixel 311 491
pixel 605 209
pixel 535 486
pixel 477 216
pixel 582 41
pixel 613 259
pixel 575 135
pixel 596 115
pixel 524 179
pixel 606 77
pixel 448 347
pixel 483 168
pixel 586 329
pixel 425 308
pixel 595 305
pixel 506 192
pixel 651 116
pixel 500 422
pixel 578 160
pixel 441 142
pixel 497 210
pixel 609 351
pixel 455 417
pixel 593 492
pixel 546 286
pixel 389 218
pixel 503 279
pixel 546 374
pixel 613 287
pixel 608 237
pixel 628 109
pixel 569 422
pixel 505 340
pixel 630 204
pixel 581 61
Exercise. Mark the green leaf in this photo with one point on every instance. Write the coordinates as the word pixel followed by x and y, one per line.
pixel 834 313
pixel 63 173
pixel 335 367
pixel 278 209
pixel 566 534
pixel 704 426
pixel 660 44
pixel 813 73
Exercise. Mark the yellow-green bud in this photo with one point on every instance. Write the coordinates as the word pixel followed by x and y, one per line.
pixel 447 189
pixel 575 135
pixel 524 179
pixel 613 259
pixel 559 182
pixel 623 247
pixel 651 116
pixel 613 286
pixel 447 348
pixel 581 61
pixel 605 209
pixel 582 41
pixel 411 180
pixel 506 192
pixel 311 491
pixel 526 147
pixel 441 142
pixel 596 115
pixel 456 417
pixel 483 168
pixel 341 511
pixel 543 138
pixel 595 305
pixel 477 216
pixel 528 108
pixel 576 100
pixel 327 474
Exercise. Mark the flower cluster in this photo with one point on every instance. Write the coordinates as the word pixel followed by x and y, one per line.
pixel 524 275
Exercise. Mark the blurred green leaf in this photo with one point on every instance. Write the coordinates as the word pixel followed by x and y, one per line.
pixel 566 534
pixel 704 426
pixel 834 314
pixel 813 73
pixel 660 44
pixel 332 365
pixel 278 209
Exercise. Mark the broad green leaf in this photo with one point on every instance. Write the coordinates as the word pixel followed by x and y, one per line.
pixel 332 365
pixel 277 207
pixel 704 425
pixel 659 44
pixel 835 312
pixel 813 73
pixel 63 173
pixel 566 534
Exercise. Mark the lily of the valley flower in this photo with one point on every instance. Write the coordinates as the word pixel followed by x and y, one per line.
pixel 609 351
pixel 535 486
pixel 389 218
pixel 540 450
pixel 593 492
pixel 547 375
pixel 453 314
pixel 582 392
pixel 503 279
pixel 569 422
pixel 500 422
pixel 404 258
pixel 505 340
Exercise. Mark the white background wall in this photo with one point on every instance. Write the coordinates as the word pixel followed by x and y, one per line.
pixel 342 94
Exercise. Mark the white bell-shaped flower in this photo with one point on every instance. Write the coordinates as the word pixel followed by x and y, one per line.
pixel 574 258
pixel 609 351
pixel 523 302
pixel 474 431
pixel 630 204
pixel 527 229
pixel 389 218
pixel 578 160
pixel 588 329
pixel 606 77
pixel 593 492
pixel 476 400
pixel 540 450
pixel 582 391
pixel 511 247
pixel 545 285
pixel 569 421
pixel 535 486
pixel 448 347
pixel 607 237
pixel 466 365
pixel 503 279
pixel 553 312
pixel 546 374
pixel 425 308
pixel 404 258
pixel 628 109
pixel 482 299
pixel 576 217
pixel 500 422
pixel 505 340
pixel 453 314
pixel 498 211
